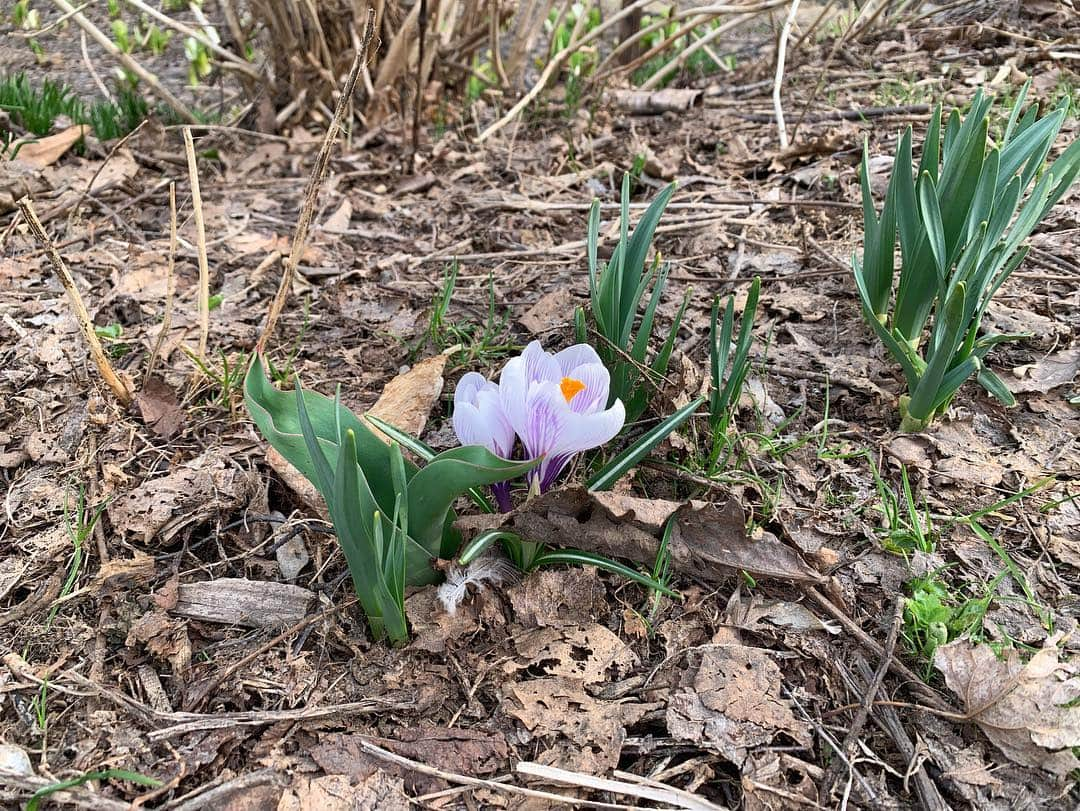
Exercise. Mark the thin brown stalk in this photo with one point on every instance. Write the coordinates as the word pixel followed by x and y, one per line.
pixel 125 59
pixel 200 244
pixel 311 193
pixel 418 106
pixel 170 285
pixel 101 360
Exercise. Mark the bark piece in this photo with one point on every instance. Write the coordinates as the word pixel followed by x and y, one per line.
pixel 252 603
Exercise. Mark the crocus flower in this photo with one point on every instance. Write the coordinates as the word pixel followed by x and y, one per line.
pixel 556 404
pixel 479 420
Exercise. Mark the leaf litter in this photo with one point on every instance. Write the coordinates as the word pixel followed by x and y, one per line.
pixel 737 693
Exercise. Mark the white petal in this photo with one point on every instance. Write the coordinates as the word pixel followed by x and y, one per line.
pixel 574 356
pixel 513 390
pixel 467 388
pixel 471 428
pixel 540 365
pixel 584 431
pixel 594 396
pixel 495 422
pixel 546 418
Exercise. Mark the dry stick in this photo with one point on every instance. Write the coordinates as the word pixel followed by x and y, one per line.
pixel 868 700
pixel 867 641
pixel 311 193
pixel 655 792
pixel 748 13
pixel 421 27
pixel 494 20
pixel 824 70
pixel 809 32
pixel 101 360
pixel 553 65
pixel 461 779
pixel 101 168
pixel 556 61
pixel 129 63
pixel 241 65
pixel 781 55
pixel 200 244
pixel 888 720
pixel 701 15
pixel 170 286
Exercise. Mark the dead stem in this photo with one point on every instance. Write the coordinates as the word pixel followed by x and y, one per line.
pixel 119 389
pixel 170 285
pixel 200 245
pixel 311 193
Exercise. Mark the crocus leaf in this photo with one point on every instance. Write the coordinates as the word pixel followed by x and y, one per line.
pixel 425 452
pixel 275 413
pixel 614 470
pixel 576 557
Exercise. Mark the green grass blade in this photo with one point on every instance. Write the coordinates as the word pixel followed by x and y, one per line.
pixel 34 803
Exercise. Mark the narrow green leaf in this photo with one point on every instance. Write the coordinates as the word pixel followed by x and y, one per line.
pixel 474 548
pixel 106 774
pixel 949 330
pixel 931 217
pixel 996 386
pixel 1014 114
pixel 931 153
pixel 606 477
pixel 576 557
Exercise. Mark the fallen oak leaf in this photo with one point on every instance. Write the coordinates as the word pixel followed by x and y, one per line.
pixel 1026 710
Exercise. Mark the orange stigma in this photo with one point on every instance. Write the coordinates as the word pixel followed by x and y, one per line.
pixel 570 388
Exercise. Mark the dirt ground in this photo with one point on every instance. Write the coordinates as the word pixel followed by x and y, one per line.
pixel 200 632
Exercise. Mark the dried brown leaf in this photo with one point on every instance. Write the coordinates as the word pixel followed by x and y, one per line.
pixel 1022 708
pixel 159 408
pixel 730 702
pixel 407 399
pixel 589 653
pixel 707 542
pixel 44 152
pixel 1050 372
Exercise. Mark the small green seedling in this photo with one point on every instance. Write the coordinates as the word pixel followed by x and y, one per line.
pixel 728 370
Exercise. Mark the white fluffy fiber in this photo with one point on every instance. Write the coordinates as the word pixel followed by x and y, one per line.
pixel 488 570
